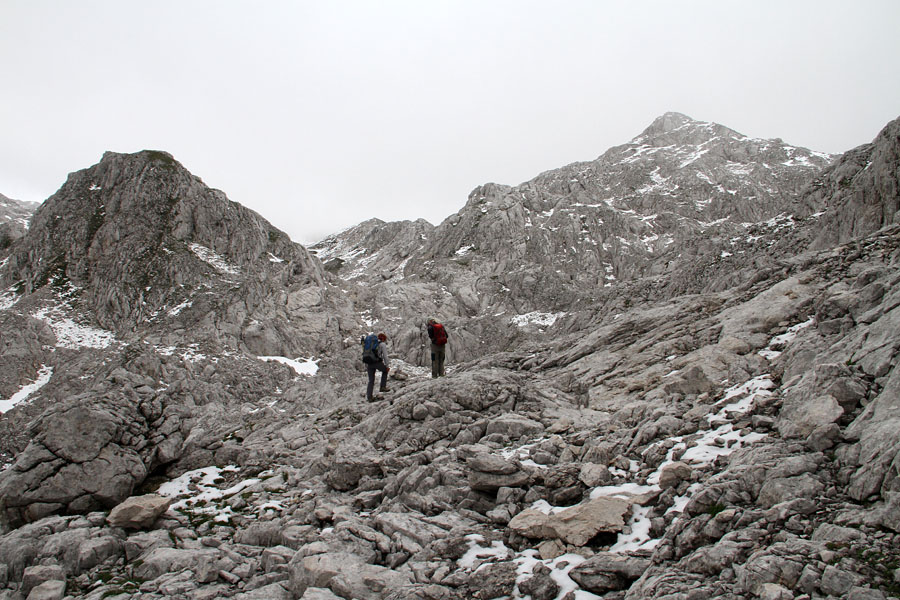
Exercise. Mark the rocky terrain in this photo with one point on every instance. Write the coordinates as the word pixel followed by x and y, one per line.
pixel 14 216
pixel 715 417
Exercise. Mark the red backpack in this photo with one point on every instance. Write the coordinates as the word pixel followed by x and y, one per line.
pixel 440 334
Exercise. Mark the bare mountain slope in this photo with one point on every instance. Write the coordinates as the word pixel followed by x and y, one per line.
pixel 738 440
pixel 681 192
pixel 147 249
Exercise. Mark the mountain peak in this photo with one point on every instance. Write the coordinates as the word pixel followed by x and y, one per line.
pixel 667 123
pixel 139 233
pixel 159 155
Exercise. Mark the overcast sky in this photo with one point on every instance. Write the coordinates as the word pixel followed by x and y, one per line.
pixel 320 115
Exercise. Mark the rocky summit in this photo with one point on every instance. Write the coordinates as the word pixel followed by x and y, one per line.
pixel 671 374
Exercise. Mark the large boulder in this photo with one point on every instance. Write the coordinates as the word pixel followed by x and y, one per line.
pixel 872 461
pixel 138 512
pixel 38 574
pixel 803 415
pixel 781 489
pixel 514 426
pixel 201 561
pixel 576 525
pixel 75 463
pixel 89 453
pixel 411 525
pixel 608 571
pixel 490 472
pixel 352 459
pixel 345 574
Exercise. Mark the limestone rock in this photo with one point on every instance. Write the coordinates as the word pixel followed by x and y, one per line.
pixel 48 590
pixel 607 571
pixel 804 416
pixel 345 574
pixel 673 474
pixel 138 512
pixel 495 580
pixel 410 525
pixel 353 459
pixel 781 489
pixel 541 585
pixel 276 591
pixel 36 575
pixel 514 426
pixel 163 560
pixel 577 525
pixel 490 473
pixel 601 317
pixel 593 475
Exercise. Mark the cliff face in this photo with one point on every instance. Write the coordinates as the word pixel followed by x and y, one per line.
pixel 860 191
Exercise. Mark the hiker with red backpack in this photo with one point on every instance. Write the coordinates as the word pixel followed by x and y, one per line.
pixel 376 359
pixel 438 335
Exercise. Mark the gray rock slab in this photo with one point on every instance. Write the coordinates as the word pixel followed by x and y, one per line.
pixel 139 512
pixel 49 590
pixel 608 571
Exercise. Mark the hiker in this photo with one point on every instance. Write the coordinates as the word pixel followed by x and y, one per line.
pixel 438 335
pixel 375 357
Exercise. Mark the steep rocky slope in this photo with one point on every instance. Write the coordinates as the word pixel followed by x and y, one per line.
pixel 682 191
pixel 145 244
pixel 14 215
pixel 861 191
pixel 136 261
pixel 736 441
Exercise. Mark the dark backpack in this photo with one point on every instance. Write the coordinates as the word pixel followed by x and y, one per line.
pixel 370 345
pixel 440 334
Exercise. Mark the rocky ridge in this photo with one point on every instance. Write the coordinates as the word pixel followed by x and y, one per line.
pixel 146 245
pixel 735 441
pixel 682 192
pixel 682 188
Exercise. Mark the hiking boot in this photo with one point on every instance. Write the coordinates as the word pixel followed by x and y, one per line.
pixel 384 389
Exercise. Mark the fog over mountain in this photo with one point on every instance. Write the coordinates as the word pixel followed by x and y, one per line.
pixel 671 375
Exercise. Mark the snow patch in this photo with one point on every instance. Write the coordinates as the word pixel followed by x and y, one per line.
pixel 8 299
pixel 480 555
pixel 197 491
pixel 190 353
pixel 213 259
pixel 177 309
pixel 777 343
pixel 305 366
pixel 72 335
pixel 540 319
pixel 43 376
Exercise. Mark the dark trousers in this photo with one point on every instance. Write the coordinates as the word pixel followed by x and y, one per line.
pixel 370 369
pixel 437 360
